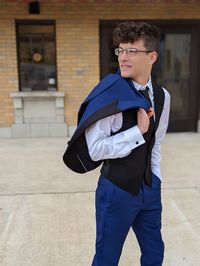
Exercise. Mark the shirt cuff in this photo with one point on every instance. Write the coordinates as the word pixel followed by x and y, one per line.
pixel 134 137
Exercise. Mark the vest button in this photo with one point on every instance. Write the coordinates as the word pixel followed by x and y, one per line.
pixel 137 142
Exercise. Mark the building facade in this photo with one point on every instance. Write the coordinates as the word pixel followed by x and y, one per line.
pixel 53 53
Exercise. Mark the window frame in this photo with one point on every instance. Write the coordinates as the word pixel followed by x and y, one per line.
pixel 34 22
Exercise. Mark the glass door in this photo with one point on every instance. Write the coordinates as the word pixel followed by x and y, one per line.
pixel 175 71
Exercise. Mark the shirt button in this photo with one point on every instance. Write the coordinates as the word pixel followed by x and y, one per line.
pixel 137 142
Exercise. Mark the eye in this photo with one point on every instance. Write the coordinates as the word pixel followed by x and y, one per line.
pixel 132 51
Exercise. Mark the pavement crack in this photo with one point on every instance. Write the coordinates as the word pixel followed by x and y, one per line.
pixel 45 193
pixel 179 188
pixel 79 192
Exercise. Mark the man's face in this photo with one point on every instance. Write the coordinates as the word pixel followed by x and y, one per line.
pixel 136 66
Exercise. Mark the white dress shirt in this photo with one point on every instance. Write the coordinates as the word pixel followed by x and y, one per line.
pixel 102 145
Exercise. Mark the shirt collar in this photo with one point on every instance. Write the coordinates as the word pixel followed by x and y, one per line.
pixel 143 87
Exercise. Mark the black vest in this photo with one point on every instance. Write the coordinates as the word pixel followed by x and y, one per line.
pixel 129 172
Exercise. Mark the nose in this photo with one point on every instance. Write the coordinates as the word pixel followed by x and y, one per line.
pixel 123 56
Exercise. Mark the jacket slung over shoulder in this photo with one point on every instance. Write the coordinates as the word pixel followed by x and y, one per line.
pixel 112 95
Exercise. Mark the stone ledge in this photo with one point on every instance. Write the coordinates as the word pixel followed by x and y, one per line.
pixel 38 114
pixel 36 94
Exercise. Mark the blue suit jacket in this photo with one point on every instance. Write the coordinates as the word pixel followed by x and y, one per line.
pixel 112 95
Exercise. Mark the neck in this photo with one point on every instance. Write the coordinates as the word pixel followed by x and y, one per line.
pixel 142 81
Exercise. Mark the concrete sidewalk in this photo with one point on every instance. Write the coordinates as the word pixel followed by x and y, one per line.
pixel 47 215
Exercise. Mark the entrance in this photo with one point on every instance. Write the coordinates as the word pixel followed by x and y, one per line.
pixel 176 68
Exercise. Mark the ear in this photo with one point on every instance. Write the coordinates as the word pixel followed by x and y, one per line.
pixel 153 57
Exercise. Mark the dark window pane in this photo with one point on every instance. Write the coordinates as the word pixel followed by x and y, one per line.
pixel 37 62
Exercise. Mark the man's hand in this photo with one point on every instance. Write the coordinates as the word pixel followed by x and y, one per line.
pixel 143 119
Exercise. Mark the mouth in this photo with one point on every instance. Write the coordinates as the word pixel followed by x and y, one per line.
pixel 125 67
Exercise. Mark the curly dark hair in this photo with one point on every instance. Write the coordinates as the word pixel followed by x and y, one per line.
pixel 131 31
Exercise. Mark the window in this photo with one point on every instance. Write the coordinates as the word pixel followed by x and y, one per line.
pixel 36 55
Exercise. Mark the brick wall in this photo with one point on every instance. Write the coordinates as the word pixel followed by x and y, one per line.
pixel 8 70
pixel 77 40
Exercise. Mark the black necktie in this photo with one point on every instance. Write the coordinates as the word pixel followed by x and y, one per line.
pixel 148 178
pixel 145 93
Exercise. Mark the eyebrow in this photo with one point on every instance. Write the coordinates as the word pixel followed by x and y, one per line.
pixel 129 48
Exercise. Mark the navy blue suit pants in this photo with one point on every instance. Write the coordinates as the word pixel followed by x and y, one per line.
pixel 117 211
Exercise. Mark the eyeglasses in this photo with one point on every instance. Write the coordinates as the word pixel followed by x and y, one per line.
pixel 129 51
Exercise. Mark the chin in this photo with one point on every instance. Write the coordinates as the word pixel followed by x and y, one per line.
pixel 125 75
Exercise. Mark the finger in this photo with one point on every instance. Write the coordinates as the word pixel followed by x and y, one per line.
pixel 141 110
pixel 151 112
pixel 151 109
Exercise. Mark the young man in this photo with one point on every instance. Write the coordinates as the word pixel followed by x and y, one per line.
pixel 128 192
